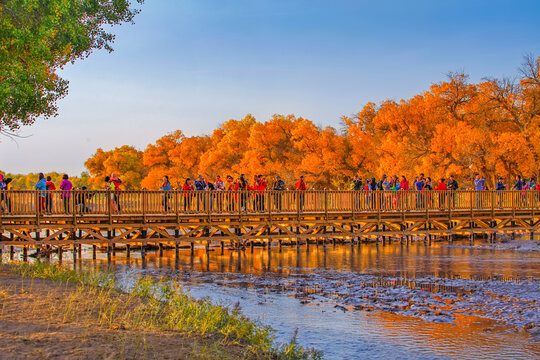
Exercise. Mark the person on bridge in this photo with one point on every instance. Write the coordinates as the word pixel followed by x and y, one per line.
pixel 532 184
pixel 279 185
pixel 230 186
pixel 301 187
pixel 519 183
pixel 109 185
pixel 357 183
pixel 41 185
pixel 219 185
pixel 419 184
pixel 166 188
pixel 441 189
pixel 261 188
pixel 242 185
pixel 4 197
pixel 200 185
pixel 500 186
pixel 66 185
pixel 479 185
pixel 188 187
pixel 115 180
pixel 48 197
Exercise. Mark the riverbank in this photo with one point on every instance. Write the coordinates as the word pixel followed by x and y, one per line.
pixel 49 312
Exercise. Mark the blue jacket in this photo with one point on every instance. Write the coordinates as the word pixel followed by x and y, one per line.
pixel 41 185
pixel 479 184
pixel 518 185
pixel 199 185
pixel 166 186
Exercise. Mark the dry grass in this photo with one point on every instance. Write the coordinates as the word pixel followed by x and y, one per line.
pixel 84 315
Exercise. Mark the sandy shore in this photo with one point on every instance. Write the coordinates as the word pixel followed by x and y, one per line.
pixel 45 319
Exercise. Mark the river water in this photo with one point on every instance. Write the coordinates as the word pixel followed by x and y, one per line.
pixel 369 301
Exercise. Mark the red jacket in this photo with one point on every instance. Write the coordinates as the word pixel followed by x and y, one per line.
pixel 50 185
pixel 186 188
pixel 300 185
pixel 404 185
pixel 441 186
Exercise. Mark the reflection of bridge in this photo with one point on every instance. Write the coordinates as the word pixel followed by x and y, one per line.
pixel 34 218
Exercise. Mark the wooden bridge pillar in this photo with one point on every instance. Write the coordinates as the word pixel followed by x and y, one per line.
pixel 471 237
pixel 143 251
pixel 176 249
pixel 143 255
pixel 192 248
pixel 74 254
pixel 25 253
pixel 79 250
pixel 128 251
pixel 60 252
pixel 222 247
pixel 11 252
pixel 160 249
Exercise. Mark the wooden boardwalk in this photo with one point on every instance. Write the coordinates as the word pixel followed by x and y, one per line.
pixel 175 218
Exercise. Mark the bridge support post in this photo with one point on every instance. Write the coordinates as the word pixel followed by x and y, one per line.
pixel 94 247
pixel 79 250
pixel 280 242
pixel 176 249
pixel 11 252
pixel 60 252
pixel 222 247
pixel 192 248
pixel 74 254
pixel 25 253
pixel 160 249
pixel 128 251
pixel 143 253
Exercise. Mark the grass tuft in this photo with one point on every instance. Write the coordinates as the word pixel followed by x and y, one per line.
pixel 163 305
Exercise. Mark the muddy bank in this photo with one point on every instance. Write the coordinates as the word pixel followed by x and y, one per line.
pixel 45 319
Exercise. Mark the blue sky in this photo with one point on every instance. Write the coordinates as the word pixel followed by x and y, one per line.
pixel 192 65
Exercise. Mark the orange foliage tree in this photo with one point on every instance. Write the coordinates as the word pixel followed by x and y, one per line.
pixel 455 127
pixel 126 161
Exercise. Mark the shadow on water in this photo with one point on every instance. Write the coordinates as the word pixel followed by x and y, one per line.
pixel 366 301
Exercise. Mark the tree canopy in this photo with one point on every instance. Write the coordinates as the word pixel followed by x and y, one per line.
pixel 39 37
pixel 455 127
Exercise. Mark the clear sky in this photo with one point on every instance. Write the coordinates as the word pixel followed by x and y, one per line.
pixel 192 65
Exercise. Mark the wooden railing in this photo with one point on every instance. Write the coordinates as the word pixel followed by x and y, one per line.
pixel 82 202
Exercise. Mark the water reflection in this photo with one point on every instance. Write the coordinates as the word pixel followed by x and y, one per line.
pixel 414 260
pixel 418 301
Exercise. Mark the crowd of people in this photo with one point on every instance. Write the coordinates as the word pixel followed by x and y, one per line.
pixel 258 186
